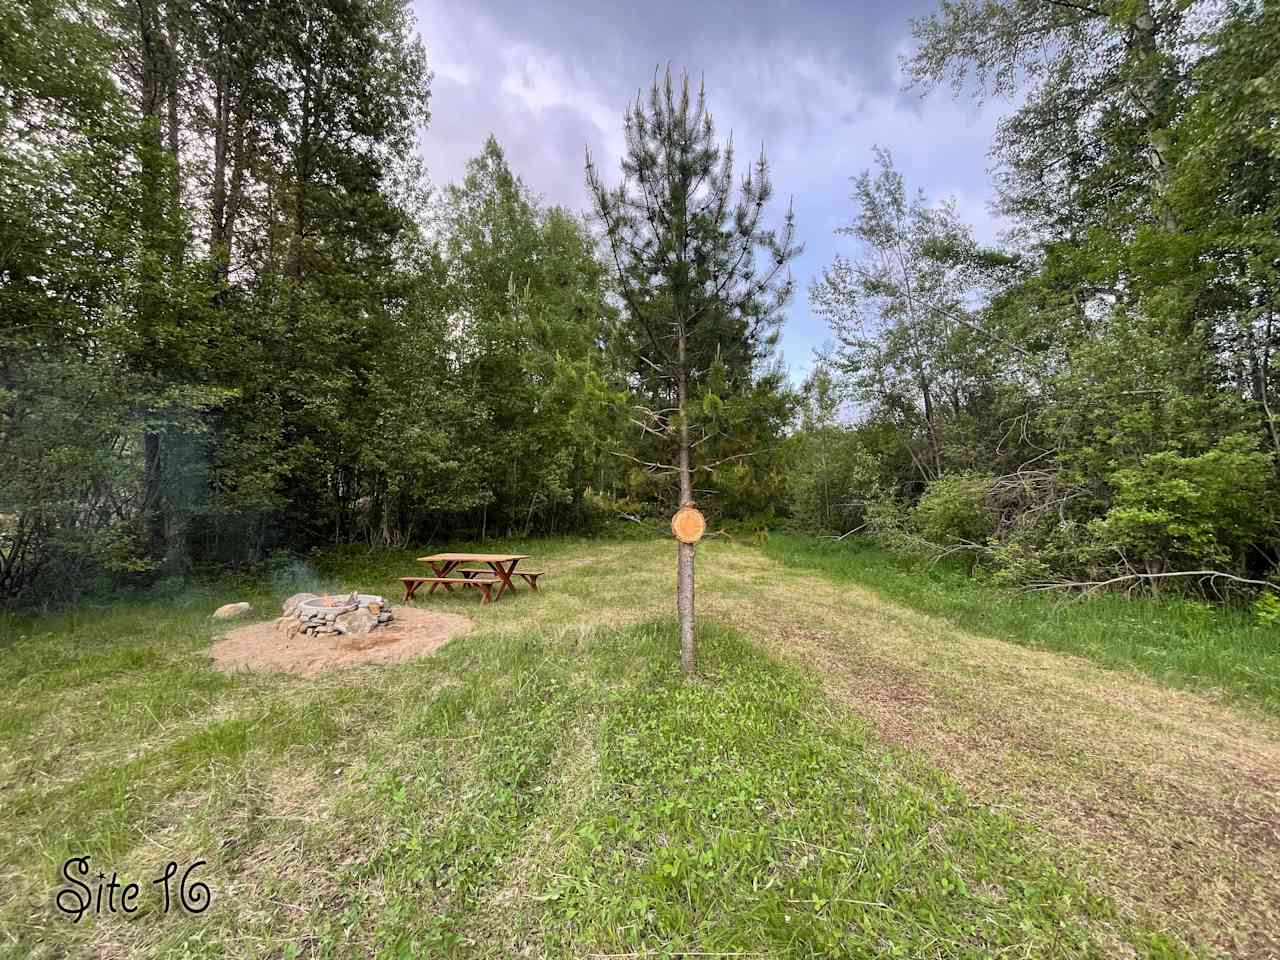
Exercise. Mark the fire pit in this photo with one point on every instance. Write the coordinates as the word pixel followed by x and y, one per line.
pixel 353 613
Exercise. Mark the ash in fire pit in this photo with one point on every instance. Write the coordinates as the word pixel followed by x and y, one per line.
pixel 354 613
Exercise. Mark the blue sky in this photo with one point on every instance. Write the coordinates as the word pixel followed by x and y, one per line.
pixel 817 83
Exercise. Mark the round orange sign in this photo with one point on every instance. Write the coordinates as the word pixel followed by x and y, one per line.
pixel 688 524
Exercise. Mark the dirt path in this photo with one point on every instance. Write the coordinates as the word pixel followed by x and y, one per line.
pixel 1172 800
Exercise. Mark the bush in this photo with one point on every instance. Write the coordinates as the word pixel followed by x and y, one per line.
pixel 955 509
pixel 1186 513
pixel 1266 609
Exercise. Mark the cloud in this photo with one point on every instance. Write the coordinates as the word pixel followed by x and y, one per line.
pixel 815 83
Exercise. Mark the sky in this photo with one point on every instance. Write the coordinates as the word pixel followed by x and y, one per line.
pixel 817 83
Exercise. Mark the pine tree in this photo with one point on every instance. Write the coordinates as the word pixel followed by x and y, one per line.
pixel 703 281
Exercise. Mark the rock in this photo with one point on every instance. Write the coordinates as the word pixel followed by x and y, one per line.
pixel 229 610
pixel 284 623
pixel 291 605
pixel 357 621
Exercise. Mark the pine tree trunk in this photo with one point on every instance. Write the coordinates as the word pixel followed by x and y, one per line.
pixel 684 551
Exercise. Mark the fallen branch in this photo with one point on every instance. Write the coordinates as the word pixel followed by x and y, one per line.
pixel 1089 586
pixel 861 526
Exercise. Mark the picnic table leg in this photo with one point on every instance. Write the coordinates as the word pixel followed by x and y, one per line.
pixel 442 570
pixel 504 574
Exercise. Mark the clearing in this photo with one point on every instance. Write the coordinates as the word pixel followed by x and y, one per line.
pixel 848 777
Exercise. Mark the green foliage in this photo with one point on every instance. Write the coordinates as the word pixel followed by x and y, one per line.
pixel 831 479
pixel 1112 374
pixel 956 509
pixel 1041 548
pixel 703 282
pixel 240 325
pixel 1266 609
pixel 831 474
pixel 1175 512
pixel 897 309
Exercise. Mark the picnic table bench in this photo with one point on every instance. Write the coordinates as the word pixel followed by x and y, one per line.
pixel 485 586
pixel 498 569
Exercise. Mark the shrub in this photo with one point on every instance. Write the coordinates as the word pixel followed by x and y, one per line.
pixel 1266 609
pixel 832 480
pixel 1184 513
pixel 955 509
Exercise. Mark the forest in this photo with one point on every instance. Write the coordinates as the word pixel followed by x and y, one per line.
pixel 237 320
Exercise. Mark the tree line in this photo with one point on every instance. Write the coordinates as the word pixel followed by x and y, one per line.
pixel 1095 401
pixel 235 318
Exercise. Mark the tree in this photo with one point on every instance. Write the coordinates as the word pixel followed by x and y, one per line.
pixel 526 294
pixel 697 300
pixel 1104 89
pixel 1129 342
pixel 907 341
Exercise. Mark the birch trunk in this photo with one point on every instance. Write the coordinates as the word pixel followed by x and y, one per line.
pixel 1150 98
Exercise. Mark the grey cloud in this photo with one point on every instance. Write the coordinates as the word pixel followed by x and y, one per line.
pixel 816 83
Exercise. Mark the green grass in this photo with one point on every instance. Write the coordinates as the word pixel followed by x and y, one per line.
pixel 1180 642
pixel 554 790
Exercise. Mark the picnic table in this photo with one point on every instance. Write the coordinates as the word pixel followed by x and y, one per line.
pixel 450 573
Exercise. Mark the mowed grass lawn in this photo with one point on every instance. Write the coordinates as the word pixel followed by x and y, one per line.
pixel 847 778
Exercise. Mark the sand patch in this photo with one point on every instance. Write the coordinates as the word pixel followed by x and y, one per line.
pixel 413 633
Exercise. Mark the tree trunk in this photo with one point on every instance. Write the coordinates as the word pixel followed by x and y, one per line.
pixel 684 551
pixel 153 86
pixel 1263 381
pixel 302 173
pixel 221 129
pixel 930 426
pixel 1151 97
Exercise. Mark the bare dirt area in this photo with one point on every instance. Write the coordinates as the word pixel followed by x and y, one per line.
pixel 413 633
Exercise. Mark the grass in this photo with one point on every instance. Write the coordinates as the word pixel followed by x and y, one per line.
pixel 1179 642
pixel 548 785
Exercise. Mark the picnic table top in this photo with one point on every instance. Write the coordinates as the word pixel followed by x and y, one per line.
pixel 474 557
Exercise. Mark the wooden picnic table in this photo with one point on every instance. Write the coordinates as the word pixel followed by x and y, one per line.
pixel 503 566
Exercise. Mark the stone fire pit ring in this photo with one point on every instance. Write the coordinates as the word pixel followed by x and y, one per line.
pixel 351 613
pixel 326 605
